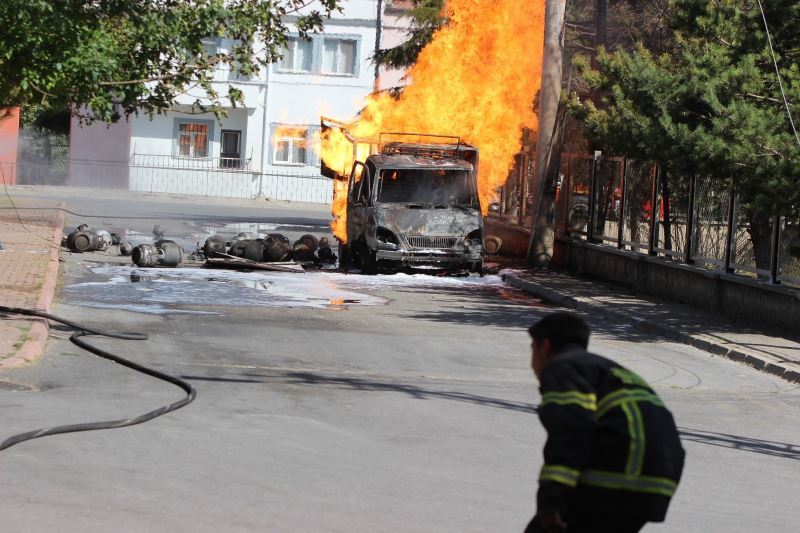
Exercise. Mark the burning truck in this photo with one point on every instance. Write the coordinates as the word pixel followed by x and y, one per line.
pixel 409 202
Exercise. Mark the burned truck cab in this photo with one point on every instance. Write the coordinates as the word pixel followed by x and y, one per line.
pixel 415 206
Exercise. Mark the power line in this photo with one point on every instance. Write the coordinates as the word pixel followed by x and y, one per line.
pixel 777 71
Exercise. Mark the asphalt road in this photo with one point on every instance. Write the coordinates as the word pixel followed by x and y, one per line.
pixel 345 403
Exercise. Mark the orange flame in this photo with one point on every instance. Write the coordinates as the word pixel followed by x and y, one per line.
pixel 476 79
pixel 297 134
pixel 339 210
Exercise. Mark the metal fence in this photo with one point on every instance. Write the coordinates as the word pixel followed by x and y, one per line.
pixel 515 199
pixel 636 206
pixel 296 187
pixel 210 177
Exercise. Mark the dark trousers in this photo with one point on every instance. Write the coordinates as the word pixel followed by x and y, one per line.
pixel 594 523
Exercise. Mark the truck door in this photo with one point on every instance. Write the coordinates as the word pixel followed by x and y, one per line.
pixel 358 201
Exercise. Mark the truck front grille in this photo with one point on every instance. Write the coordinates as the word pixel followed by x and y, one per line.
pixel 439 243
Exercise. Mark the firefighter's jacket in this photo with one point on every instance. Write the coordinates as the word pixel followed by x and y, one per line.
pixel 612 446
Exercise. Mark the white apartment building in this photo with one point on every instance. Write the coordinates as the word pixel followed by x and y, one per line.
pixel 263 148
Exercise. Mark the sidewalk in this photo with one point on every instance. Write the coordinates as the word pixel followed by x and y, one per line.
pixel 28 275
pixel 772 352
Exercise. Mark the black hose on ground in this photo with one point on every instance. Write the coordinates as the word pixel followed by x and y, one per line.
pixel 75 338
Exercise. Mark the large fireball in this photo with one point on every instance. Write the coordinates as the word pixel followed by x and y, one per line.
pixel 477 79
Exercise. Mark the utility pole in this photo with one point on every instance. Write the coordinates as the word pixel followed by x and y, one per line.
pixel 540 248
pixel 378 32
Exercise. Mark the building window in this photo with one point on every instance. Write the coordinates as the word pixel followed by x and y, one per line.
pixel 230 149
pixel 297 55
pixel 290 145
pixel 339 57
pixel 193 139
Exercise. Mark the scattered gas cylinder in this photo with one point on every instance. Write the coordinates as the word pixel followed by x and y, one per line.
pixel 171 254
pixel 309 241
pixel 104 239
pixel 325 253
pixel 253 250
pixel 237 248
pixel 83 241
pixel 214 245
pixel 276 250
pixel 150 255
pixel 245 236
pixel 279 237
pixel 145 255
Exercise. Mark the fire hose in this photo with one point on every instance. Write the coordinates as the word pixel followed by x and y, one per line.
pixel 75 338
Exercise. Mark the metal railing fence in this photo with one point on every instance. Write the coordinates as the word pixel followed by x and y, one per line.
pixel 636 206
pixel 211 177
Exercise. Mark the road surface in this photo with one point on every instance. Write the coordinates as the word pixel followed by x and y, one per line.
pixel 343 403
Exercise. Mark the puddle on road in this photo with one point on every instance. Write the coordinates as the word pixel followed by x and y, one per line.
pixel 184 290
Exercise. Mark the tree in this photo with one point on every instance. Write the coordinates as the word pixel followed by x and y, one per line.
pixel 426 17
pixel 119 57
pixel 710 104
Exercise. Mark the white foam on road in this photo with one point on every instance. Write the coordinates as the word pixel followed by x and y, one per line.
pixel 171 290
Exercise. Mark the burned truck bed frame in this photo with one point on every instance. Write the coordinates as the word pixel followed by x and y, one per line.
pixel 404 233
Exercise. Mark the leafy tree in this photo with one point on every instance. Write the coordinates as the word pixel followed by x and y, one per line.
pixel 119 57
pixel 710 104
pixel 426 17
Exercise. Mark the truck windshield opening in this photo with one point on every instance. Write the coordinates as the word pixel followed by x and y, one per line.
pixel 427 186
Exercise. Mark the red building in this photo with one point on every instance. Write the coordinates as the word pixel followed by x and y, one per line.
pixel 9 144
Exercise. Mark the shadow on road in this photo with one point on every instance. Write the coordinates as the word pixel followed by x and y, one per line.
pixel 508 308
pixel 724 440
pixel 737 442
pixel 360 384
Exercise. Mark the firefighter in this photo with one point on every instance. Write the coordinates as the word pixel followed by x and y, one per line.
pixel 613 457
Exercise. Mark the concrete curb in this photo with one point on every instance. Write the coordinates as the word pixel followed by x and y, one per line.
pixel 33 347
pixel 585 304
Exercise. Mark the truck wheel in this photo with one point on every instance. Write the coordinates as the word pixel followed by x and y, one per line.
pixel 366 258
pixel 369 263
pixel 344 256
pixel 477 267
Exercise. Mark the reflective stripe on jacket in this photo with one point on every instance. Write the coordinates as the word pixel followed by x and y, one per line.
pixel 612 445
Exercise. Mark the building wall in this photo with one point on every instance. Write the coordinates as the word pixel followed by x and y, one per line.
pixel 272 99
pixel 300 99
pixel 99 153
pixel 9 144
pixel 394 32
pixel 157 167
pixel 158 136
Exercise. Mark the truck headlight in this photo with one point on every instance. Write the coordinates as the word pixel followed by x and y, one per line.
pixel 386 239
pixel 475 238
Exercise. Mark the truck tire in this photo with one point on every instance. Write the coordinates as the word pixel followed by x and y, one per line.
pixel 344 256
pixel 367 260
pixel 477 267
